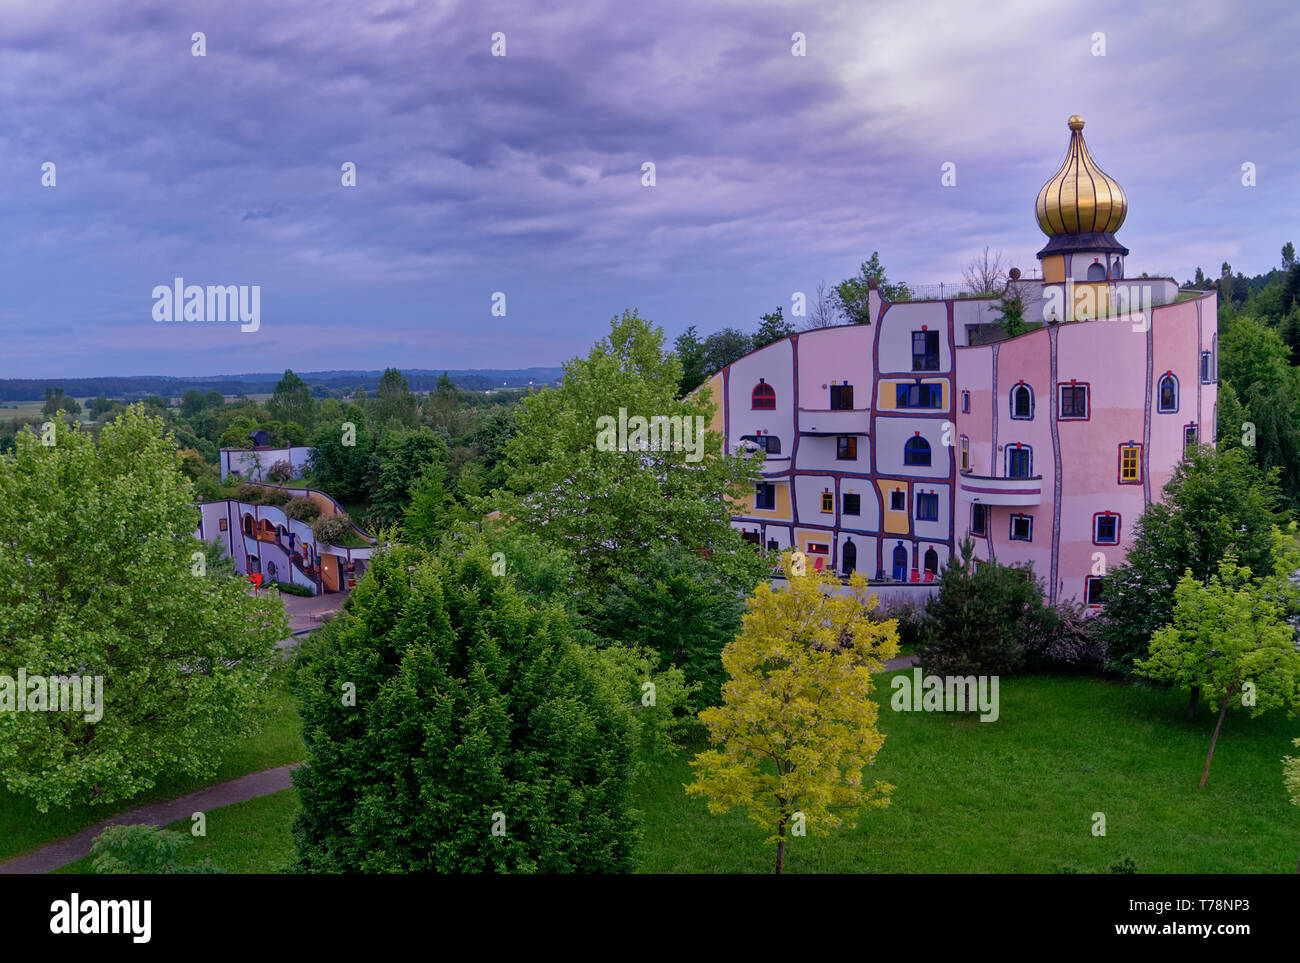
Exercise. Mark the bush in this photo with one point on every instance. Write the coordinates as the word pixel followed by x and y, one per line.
pixel 275 496
pixel 913 621
pixel 289 588
pixel 280 472
pixel 144 849
pixel 248 492
pixel 981 618
pixel 302 509
pixel 1063 634
pixel 332 529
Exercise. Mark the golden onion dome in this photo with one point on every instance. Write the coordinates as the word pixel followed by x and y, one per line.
pixel 1080 198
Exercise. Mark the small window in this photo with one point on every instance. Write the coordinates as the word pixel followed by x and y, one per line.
pixel 925 350
pixel 221 524
pixel 846 448
pixel 773 546
pixel 841 397
pixel 763 396
pixel 852 504
pixel 1205 367
pixel 819 548
pixel 1022 402
pixel 1191 436
pixel 965 453
pixel 1020 460
pixel 1167 394
pixel 1130 463
pixel 769 443
pixel 1105 528
pixel 1116 270
pixel 751 537
pixel 979 519
pixel 1022 528
pixel 1074 402
pixel 828 502
pixel 898 501
pixel 927 507
pixel 931 561
pixel 916 451
pixel 965 402
pixel 1096 271
pixel 1093 592
pixel 765 496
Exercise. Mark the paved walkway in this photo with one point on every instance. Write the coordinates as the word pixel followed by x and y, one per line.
pixel 71 848
pixel 902 662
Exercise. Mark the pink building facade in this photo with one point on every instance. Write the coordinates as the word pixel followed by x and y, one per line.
pixel 887 443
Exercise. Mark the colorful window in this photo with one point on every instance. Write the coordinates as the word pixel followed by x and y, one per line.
pixel 221 524
pixel 1105 528
pixel 979 519
pixel 1020 461
pixel 918 396
pixel 965 453
pixel 1130 463
pixel 1022 402
pixel 765 496
pixel 916 451
pixel 846 448
pixel 852 504
pixel 1074 402
pixel 1167 394
pixel 1022 528
pixel 927 507
pixel 1191 436
pixel 1093 591
pixel 925 350
pixel 841 397
pixel 828 502
pixel 898 501
pixel 763 396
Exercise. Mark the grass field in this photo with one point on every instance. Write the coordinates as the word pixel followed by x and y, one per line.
pixel 248 837
pixel 1018 795
pixel 9 410
pixel 23 828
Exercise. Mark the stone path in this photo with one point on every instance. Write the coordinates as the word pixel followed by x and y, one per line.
pixel 71 848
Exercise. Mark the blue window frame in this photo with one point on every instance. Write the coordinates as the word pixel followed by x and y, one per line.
pixel 1167 394
pixel 1205 367
pixel 1095 587
pixel 1105 528
pixel 1020 461
pixel 918 396
pixel 900 563
pixel 916 451
pixel 1022 402
pixel 927 507
pixel 1022 528
pixel 979 519
pixel 765 496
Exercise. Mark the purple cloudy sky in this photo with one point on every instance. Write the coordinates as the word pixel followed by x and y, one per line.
pixel 522 173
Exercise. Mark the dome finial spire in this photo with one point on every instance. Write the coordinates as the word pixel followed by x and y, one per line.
pixel 1080 198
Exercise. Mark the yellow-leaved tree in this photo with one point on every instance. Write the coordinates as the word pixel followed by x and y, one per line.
pixel 797 725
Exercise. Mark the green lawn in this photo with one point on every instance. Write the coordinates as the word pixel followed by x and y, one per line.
pixel 23 828
pixel 1017 795
pixel 248 837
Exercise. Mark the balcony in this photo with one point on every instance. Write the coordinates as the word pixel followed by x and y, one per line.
pixel 988 490
pixel 820 421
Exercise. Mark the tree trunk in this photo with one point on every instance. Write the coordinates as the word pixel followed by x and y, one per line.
pixel 1213 741
pixel 780 848
pixel 1192 702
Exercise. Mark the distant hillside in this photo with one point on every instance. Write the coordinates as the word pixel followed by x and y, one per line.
pixel 421 379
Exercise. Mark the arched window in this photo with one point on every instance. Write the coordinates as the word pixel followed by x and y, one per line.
pixel 1022 401
pixel 1096 271
pixel 1167 393
pixel 764 395
pixel 1116 270
pixel 916 451
pixel 932 561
